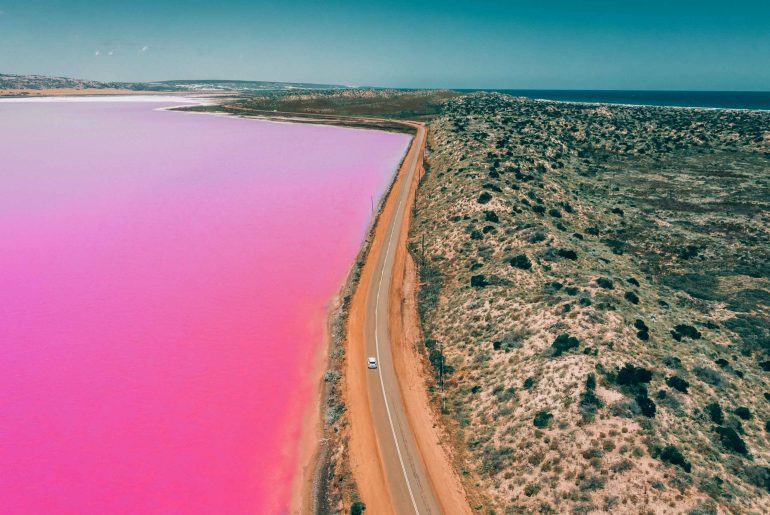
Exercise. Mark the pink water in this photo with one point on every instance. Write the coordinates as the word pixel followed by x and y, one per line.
pixel 163 284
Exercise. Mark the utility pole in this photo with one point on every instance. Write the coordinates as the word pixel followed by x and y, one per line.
pixel 441 377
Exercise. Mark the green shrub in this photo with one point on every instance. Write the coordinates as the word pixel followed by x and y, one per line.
pixel 357 508
pixel 484 198
pixel 567 254
pixel 564 343
pixel 687 331
pixel 670 454
pixel 521 261
pixel 708 375
pixel 731 440
pixel 491 216
pixel 542 419
pixel 677 383
pixel 528 383
pixel 743 412
pixel 632 375
pixel 714 411
pixel 646 406
pixel 479 281
pixel 605 283
pixel 753 331
pixel 631 297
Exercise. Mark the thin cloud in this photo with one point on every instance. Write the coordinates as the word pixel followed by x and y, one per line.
pixel 97 52
pixel 144 48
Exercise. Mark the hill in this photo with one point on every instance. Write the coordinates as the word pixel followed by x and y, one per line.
pixel 41 82
pixel 595 300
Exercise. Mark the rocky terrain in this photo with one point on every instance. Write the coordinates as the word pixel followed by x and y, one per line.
pixel 595 300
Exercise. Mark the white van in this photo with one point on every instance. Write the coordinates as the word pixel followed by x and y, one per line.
pixel 371 362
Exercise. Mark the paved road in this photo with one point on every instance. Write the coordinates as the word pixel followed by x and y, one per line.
pixel 408 481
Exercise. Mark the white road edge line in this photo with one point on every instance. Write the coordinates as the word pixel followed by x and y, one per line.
pixel 377 349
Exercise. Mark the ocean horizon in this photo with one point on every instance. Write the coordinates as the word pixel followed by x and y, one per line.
pixel 752 100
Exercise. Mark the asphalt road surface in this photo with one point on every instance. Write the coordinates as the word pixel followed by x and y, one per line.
pixel 407 478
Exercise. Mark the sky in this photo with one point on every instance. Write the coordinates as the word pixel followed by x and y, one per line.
pixel 588 44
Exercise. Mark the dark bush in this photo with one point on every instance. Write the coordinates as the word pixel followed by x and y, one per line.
pixel 567 254
pixel 714 411
pixel 731 440
pixel 357 508
pixel 672 361
pixel 617 211
pixel 616 246
pixel 632 281
pixel 765 365
pixel 476 235
pixel 484 197
pixel 571 290
pixel 687 331
pixel 591 381
pixel 646 405
pixel 677 383
pixel 708 375
pixel 754 331
pixel 631 297
pixel 521 261
pixel 643 335
pixel 538 209
pixel 542 419
pixel 491 216
pixel 670 454
pixel 528 383
pixel 593 231
pixel 564 343
pixel 589 401
pixel 554 213
pixel 479 281
pixel 758 475
pixel 605 283
pixel 632 375
pixel 639 324
pixel 743 412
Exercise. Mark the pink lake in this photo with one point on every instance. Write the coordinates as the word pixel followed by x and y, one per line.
pixel 164 279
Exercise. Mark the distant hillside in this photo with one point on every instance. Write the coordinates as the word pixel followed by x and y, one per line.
pixel 243 85
pixel 41 82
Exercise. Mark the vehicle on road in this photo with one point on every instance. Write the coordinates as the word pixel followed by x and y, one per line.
pixel 371 362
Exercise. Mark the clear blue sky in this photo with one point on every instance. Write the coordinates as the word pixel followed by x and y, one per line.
pixel 619 44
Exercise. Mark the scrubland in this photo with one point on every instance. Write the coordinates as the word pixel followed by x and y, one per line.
pixel 595 301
